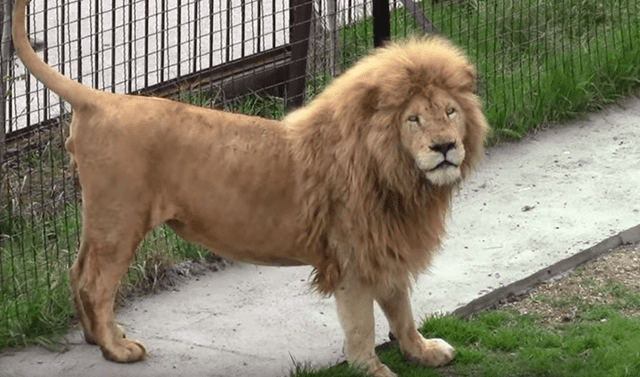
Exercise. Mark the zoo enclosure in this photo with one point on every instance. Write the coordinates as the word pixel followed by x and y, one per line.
pixel 530 54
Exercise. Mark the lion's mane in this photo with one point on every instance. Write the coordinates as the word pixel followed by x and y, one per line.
pixel 365 204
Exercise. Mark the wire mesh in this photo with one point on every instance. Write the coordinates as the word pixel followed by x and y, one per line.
pixel 539 61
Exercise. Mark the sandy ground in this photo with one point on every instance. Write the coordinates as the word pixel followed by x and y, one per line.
pixel 530 205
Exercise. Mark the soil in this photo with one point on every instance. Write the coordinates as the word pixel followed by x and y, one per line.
pixel 621 265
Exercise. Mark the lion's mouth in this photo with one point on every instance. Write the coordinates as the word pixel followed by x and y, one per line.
pixel 444 164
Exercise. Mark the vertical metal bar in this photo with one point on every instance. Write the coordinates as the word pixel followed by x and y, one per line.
pixel 273 22
pixel 45 54
pixel 196 38
pixel 228 36
pixel 113 45
pixel 259 26
pixel 62 27
pixel 179 37
pixel 130 50
pixel 365 27
pixel 79 36
pixel 164 37
pixel 96 48
pixel 242 27
pixel 211 18
pixel 27 82
pixel 6 59
pixel 381 23
pixel 334 37
pixel 299 25
pixel 146 44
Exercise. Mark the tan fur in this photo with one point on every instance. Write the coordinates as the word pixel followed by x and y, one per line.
pixel 354 184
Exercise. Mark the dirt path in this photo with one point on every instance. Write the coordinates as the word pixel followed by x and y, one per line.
pixel 531 204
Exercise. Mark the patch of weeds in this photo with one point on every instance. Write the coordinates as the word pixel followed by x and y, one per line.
pixel 560 302
pixel 35 305
pixel 198 98
pixel 150 272
pixel 588 282
pixel 261 105
pixel 316 84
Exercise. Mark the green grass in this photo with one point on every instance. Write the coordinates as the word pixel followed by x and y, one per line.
pixel 251 104
pixel 260 105
pixel 503 343
pixel 34 289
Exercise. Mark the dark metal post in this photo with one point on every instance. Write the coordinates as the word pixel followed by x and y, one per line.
pixel 381 22
pixel 6 57
pixel 299 25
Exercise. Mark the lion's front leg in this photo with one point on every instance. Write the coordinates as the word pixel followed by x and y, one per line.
pixel 396 306
pixel 355 311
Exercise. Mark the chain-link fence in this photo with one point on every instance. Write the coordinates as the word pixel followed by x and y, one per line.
pixel 539 61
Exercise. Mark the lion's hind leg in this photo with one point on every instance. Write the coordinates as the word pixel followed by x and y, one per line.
pixel 106 250
pixel 396 306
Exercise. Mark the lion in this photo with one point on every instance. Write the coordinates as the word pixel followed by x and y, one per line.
pixel 357 184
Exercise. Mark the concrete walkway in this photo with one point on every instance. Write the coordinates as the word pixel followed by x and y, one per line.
pixel 532 204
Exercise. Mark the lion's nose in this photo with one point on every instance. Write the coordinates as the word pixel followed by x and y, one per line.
pixel 442 147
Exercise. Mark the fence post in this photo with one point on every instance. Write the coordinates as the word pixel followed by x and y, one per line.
pixel 5 65
pixel 6 55
pixel 299 25
pixel 381 22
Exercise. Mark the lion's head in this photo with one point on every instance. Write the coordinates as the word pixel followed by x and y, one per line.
pixel 382 148
pixel 432 131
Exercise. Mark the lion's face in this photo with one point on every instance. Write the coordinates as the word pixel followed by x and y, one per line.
pixel 432 131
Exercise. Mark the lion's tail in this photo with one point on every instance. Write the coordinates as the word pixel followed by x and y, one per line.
pixel 71 91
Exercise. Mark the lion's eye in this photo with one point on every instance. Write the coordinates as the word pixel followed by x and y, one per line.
pixel 413 118
pixel 451 112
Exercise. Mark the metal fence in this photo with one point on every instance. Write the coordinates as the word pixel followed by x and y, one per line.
pixel 529 53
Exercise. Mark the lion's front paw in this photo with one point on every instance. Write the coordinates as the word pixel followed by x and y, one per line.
pixel 125 350
pixel 432 352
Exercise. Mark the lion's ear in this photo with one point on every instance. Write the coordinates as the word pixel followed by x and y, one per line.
pixel 370 101
pixel 360 103
pixel 470 80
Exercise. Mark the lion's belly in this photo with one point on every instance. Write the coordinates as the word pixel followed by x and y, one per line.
pixel 257 240
pixel 247 256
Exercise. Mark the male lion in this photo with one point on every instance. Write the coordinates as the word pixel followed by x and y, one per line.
pixel 357 184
